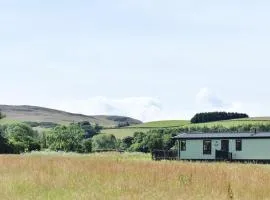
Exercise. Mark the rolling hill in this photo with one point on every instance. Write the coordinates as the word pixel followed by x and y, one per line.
pixel 40 114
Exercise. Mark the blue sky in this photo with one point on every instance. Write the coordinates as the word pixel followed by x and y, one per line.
pixel 148 59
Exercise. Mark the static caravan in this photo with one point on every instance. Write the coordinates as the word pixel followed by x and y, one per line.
pixel 224 146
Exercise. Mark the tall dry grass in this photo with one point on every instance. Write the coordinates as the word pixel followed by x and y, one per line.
pixel 115 176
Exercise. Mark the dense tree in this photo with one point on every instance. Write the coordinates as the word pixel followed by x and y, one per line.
pixel 216 116
pixel 66 138
pixel 126 142
pixel 22 137
pixel 104 142
pixel 89 129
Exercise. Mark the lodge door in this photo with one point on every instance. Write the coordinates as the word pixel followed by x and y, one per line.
pixel 225 145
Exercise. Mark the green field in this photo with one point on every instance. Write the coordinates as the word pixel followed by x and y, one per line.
pixel 163 124
pixel 127 176
pixel 129 131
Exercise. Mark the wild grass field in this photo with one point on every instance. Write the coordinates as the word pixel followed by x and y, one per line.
pixel 127 176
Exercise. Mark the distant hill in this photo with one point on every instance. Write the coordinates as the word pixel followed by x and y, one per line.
pixel 41 114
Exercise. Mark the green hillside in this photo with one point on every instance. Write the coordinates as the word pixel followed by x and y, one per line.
pixel 129 131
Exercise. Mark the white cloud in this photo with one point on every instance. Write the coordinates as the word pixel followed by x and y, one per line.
pixel 142 108
pixel 208 98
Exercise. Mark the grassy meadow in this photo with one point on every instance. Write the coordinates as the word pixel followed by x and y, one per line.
pixel 127 176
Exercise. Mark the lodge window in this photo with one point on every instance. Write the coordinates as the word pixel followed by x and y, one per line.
pixel 238 145
pixel 183 145
pixel 207 147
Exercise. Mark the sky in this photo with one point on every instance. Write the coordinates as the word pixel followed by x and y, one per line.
pixel 147 59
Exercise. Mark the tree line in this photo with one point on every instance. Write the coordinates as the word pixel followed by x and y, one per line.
pixel 216 116
pixel 81 138
pixel 85 138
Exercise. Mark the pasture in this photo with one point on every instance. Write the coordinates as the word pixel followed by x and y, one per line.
pixel 127 176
